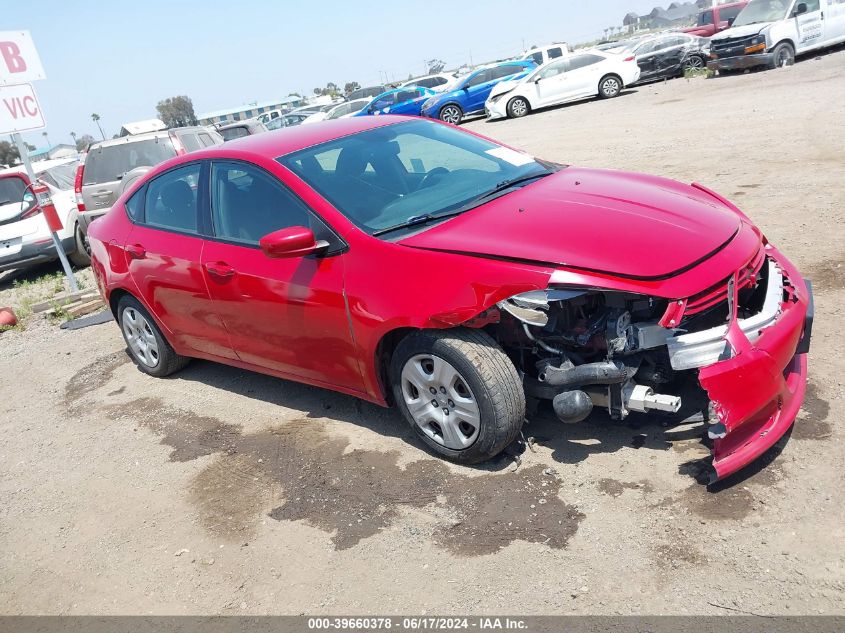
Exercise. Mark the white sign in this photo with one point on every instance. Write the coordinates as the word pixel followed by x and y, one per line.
pixel 19 109
pixel 19 61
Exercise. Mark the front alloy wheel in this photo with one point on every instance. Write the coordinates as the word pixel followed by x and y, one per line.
pixel 517 107
pixel 459 392
pixel 440 402
pixel 451 114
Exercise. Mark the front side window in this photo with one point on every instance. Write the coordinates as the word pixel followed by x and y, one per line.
pixel 247 203
pixel 537 58
pixel 552 70
pixel 381 177
pixel 171 200
pixel 481 77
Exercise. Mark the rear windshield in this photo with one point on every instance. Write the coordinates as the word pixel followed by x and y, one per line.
pixel 232 133
pixel 11 190
pixel 110 163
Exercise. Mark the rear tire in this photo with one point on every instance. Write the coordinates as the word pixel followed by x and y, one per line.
pixel 610 86
pixel 81 256
pixel 149 349
pixel 783 54
pixel 518 107
pixel 459 391
pixel 451 113
pixel 693 63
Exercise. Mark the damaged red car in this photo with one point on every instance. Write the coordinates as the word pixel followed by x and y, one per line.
pixel 408 262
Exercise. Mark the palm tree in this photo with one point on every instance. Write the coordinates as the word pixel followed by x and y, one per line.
pixel 73 136
pixel 46 138
pixel 96 119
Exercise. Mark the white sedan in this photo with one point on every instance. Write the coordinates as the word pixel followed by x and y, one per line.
pixel 581 76
pixel 340 111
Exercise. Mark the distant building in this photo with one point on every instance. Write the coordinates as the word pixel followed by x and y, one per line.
pixel 62 150
pixel 675 15
pixel 248 111
pixel 140 127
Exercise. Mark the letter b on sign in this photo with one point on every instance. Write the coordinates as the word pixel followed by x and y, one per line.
pixel 11 53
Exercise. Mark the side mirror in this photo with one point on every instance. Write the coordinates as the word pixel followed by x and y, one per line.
pixel 731 22
pixel 293 241
pixel 800 8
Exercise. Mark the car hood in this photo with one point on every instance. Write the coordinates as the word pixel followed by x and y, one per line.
pixel 629 225
pixel 504 86
pixel 741 31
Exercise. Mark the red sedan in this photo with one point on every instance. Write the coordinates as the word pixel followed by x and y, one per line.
pixel 406 261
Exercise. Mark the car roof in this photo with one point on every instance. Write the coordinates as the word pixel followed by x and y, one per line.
pixel 288 140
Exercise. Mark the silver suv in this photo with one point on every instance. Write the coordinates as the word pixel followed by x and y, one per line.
pixel 112 166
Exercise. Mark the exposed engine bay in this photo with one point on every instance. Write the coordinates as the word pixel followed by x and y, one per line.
pixel 583 349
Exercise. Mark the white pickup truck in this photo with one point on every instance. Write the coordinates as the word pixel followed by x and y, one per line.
pixel 772 32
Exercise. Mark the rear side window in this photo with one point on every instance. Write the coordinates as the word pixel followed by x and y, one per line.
pixel 555 52
pixel 110 163
pixel 406 95
pixel 707 17
pixel 11 190
pixel 135 205
pixel 171 200
pixel 248 203
pixel 206 139
pixel 191 142
pixel 504 71
pixel 580 61
pixel 232 133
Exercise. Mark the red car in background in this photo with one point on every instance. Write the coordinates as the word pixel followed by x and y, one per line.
pixel 406 261
pixel 716 19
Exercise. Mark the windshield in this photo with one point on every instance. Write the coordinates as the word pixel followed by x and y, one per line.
pixel 386 176
pixel 762 11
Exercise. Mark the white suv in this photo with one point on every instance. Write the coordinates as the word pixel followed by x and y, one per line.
pixel 24 236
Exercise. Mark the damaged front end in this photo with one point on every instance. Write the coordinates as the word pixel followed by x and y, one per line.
pixel 732 356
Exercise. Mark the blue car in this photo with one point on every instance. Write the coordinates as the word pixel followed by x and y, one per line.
pixel 471 92
pixel 407 101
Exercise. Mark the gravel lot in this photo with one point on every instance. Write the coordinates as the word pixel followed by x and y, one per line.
pixel 220 491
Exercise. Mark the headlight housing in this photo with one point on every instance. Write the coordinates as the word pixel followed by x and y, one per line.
pixel 497 97
pixel 756 44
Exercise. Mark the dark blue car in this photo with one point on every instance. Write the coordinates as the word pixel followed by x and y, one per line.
pixel 407 101
pixel 469 95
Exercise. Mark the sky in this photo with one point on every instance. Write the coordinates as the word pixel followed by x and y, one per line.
pixel 119 59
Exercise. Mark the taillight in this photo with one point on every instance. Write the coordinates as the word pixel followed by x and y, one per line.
pixel 630 59
pixel 177 145
pixel 77 187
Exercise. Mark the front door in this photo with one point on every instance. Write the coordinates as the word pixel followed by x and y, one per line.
pixel 287 315
pixel 811 25
pixel 551 83
pixel 163 254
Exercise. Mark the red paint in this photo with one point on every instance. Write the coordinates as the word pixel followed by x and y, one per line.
pixel 321 320
pixel 718 21
pixel 8 317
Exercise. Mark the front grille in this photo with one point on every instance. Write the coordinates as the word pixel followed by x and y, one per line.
pixel 718 293
pixel 731 46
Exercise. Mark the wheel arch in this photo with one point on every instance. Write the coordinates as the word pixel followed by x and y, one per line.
pixel 525 98
pixel 612 74
pixel 383 355
pixel 457 104
pixel 116 294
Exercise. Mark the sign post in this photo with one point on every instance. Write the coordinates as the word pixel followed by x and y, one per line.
pixel 21 112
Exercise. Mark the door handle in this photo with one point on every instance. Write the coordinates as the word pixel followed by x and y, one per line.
pixel 220 269
pixel 136 251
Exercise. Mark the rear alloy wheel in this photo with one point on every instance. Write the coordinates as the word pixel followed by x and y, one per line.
pixel 81 256
pixel 610 87
pixel 147 346
pixel 693 63
pixel 517 107
pixel 459 392
pixel 451 114
pixel 783 55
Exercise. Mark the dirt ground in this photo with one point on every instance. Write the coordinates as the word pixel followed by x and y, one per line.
pixel 221 491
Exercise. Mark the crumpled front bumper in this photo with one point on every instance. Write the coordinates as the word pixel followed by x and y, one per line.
pixel 757 392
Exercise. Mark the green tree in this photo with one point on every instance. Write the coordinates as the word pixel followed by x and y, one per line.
pixel 84 141
pixel 9 154
pixel 96 119
pixel 351 86
pixel 177 111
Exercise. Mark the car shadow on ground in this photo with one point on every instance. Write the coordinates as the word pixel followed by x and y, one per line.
pixel 625 92
pixel 27 275
pixel 570 443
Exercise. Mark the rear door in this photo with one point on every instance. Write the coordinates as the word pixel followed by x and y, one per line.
pixel 584 74
pixel 163 255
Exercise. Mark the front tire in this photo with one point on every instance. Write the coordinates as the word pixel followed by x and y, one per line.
pixel 451 114
pixel 149 349
pixel 782 55
pixel 459 391
pixel 81 257
pixel 518 107
pixel 610 86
